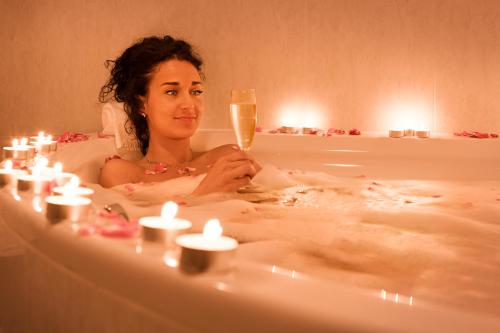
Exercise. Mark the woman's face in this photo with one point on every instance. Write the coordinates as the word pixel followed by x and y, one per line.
pixel 174 103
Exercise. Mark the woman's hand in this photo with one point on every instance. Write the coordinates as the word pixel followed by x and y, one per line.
pixel 229 173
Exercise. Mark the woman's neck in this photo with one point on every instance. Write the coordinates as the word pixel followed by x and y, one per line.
pixel 168 151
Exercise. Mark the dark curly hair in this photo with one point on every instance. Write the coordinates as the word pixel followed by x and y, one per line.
pixel 131 73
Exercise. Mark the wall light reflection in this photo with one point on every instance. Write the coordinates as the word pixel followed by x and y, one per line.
pixel 15 195
pixel 293 274
pixel 347 151
pixel 341 165
pixel 36 203
pixel 396 298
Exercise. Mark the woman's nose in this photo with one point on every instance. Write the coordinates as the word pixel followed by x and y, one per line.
pixel 186 102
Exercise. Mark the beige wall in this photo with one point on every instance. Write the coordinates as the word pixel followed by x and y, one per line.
pixel 349 63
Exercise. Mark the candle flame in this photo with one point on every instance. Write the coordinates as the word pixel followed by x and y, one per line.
pixel 36 170
pixel 41 162
pixel 24 141
pixel 41 135
pixel 48 138
pixel 15 143
pixel 58 167
pixel 69 189
pixel 212 229
pixel 168 211
pixel 8 165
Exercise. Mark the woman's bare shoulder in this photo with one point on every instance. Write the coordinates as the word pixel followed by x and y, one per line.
pixel 119 171
pixel 218 152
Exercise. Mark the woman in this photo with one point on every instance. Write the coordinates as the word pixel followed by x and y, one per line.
pixel 159 81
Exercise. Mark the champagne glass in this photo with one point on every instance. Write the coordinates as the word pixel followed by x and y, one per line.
pixel 243 111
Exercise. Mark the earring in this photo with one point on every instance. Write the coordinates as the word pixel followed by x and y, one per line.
pixel 143 114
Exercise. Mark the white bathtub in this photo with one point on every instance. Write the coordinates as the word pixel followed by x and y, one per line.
pixel 53 280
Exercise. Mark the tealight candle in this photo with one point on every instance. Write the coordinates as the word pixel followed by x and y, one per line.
pixel 396 133
pixel 209 251
pixel 44 144
pixel 63 178
pixel 409 132
pixel 308 130
pixel 19 151
pixel 165 228
pixel 422 134
pixel 287 130
pixel 68 205
pixel 61 207
pixel 8 175
pixel 35 183
pixel 74 188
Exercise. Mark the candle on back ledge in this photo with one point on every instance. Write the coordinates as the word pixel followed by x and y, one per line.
pixel 396 133
pixel 207 252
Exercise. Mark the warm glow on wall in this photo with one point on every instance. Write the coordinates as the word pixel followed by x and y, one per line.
pixel 410 114
pixel 301 115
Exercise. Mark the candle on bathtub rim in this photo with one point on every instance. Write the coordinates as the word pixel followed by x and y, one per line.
pixel 19 150
pixel 35 182
pixel 69 205
pixel 8 175
pixel 73 188
pixel 164 230
pixel 55 172
pixel 44 144
pixel 207 252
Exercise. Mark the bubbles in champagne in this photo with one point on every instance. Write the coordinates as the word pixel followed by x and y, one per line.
pixel 244 119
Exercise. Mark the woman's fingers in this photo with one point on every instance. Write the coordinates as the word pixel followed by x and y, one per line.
pixel 239 169
pixel 239 155
pixel 237 183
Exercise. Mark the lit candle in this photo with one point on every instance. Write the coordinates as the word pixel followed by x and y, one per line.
pixel 409 132
pixel 8 175
pixel 68 205
pixel 309 130
pixel 287 130
pixel 35 183
pixel 44 144
pixel 73 188
pixel 209 251
pixel 165 228
pixel 396 133
pixel 422 133
pixel 19 150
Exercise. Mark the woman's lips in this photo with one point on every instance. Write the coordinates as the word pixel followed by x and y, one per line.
pixel 185 118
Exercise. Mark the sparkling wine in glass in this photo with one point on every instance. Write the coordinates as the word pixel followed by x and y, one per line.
pixel 243 110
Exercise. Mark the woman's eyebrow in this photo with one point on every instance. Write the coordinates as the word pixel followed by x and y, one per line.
pixel 177 83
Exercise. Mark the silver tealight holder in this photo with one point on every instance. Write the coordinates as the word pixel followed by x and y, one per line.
pixel 207 252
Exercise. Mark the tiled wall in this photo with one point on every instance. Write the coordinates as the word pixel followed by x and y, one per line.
pixel 331 63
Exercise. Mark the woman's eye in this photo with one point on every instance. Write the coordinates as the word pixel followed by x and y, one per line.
pixel 171 92
pixel 197 92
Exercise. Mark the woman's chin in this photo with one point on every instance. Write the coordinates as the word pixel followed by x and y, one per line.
pixel 184 133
